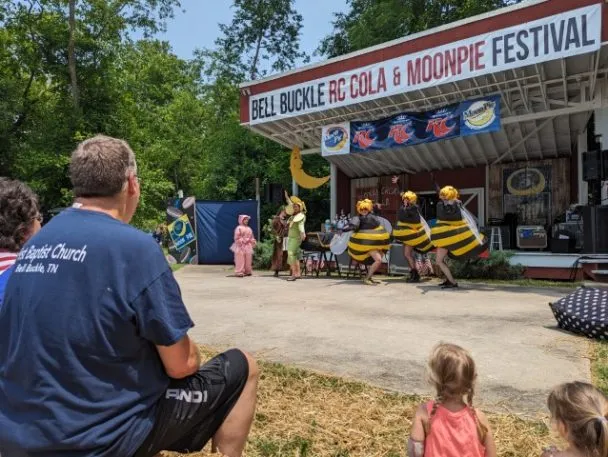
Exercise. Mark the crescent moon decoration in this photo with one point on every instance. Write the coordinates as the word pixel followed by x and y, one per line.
pixel 532 183
pixel 300 176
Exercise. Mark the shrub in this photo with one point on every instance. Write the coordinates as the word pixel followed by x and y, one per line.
pixel 262 254
pixel 496 266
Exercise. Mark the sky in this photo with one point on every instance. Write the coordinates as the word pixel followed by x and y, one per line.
pixel 198 26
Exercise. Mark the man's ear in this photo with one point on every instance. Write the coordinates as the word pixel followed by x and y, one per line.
pixel 132 184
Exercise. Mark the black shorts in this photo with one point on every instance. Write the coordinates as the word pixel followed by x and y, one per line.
pixel 194 408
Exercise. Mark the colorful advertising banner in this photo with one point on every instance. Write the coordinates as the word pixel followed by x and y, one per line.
pixel 407 129
pixel 335 139
pixel 181 225
pixel 554 37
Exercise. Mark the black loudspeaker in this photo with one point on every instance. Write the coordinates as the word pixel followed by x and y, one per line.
pixel 595 229
pixel 273 193
pixel 505 231
pixel 595 165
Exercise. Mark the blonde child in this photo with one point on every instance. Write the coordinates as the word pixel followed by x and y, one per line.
pixel 578 413
pixel 448 426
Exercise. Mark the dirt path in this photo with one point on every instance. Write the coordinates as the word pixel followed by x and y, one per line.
pixel 384 334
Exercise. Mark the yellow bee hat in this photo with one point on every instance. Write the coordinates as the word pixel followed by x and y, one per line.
pixel 295 201
pixel 366 204
pixel 449 193
pixel 409 196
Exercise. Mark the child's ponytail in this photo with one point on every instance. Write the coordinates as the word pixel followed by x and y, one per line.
pixel 582 409
pixel 601 426
pixel 482 430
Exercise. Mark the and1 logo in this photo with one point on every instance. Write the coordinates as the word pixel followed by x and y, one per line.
pixel 189 396
pixel 480 114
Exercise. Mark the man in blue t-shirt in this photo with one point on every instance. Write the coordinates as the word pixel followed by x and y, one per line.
pixel 95 359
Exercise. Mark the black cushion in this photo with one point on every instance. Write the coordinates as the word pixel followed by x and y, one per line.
pixel 584 311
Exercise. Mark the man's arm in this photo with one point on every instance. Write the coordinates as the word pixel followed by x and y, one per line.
pixel 181 359
pixel 163 320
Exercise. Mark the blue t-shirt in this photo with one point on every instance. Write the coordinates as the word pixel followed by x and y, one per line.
pixel 88 300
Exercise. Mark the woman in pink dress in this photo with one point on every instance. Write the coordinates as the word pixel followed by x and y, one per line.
pixel 243 245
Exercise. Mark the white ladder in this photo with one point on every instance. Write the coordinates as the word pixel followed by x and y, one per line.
pixel 495 239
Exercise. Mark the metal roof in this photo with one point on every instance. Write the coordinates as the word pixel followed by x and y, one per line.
pixel 544 107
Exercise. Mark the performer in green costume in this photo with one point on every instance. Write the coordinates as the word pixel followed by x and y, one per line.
pixel 296 209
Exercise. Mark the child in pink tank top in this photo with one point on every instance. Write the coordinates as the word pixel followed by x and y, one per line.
pixel 448 426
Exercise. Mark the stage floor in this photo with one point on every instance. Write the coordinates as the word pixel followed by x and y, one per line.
pixel 383 334
pixel 552 260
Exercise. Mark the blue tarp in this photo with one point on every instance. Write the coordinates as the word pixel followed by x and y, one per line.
pixel 215 224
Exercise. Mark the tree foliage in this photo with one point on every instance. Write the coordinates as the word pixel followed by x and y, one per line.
pixel 371 22
pixel 69 69
pixel 261 32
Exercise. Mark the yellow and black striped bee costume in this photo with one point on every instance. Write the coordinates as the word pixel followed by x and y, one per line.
pixel 410 229
pixel 368 235
pixel 453 232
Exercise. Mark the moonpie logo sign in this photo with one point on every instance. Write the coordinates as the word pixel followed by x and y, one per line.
pixel 335 139
pixel 480 114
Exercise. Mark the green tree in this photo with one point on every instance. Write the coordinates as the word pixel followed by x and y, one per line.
pixel 261 32
pixel 371 22
pixel 55 60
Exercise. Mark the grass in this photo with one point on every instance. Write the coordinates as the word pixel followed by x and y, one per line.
pixel 523 282
pixel 306 414
pixel 599 365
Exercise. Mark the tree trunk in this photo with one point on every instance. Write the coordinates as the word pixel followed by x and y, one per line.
pixel 254 63
pixel 72 54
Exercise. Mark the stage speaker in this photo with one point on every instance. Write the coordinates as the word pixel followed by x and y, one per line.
pixel 273 193
pixel 591 166
pixel 595 229
pixel 505 232
pixel 595 165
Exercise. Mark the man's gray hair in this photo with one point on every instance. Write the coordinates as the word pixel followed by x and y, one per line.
pixel 100 167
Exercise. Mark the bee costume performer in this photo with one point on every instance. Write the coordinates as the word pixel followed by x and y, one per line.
pixel 413 231
pixel 456 233
pixel 369 240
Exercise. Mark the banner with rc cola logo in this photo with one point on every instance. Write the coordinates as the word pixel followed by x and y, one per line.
pixel 407 129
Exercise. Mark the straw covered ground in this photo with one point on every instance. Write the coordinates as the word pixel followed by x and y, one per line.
pixel 301 414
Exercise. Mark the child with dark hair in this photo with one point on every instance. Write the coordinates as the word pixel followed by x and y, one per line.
pixel 578 412
pixel 20 219
pixel 448 426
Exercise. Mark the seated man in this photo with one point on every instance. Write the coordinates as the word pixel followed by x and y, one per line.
pixel 95 359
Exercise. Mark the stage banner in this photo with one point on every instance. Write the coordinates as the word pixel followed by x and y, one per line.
pixel 407 129
pixel 181 225
pixel 335 139
pixel 574 32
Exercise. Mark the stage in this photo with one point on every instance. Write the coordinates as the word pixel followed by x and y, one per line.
pixel 557 266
